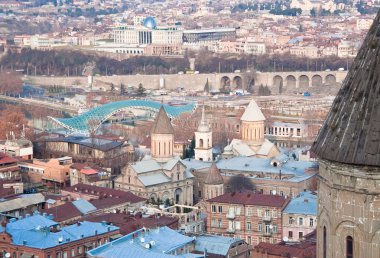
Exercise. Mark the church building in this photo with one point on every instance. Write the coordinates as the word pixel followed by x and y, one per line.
pixel 161 176
pixel 348 148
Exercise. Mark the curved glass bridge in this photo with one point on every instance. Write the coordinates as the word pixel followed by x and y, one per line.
pixel 91 120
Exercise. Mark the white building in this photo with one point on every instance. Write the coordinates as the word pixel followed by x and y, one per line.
pixel 203 140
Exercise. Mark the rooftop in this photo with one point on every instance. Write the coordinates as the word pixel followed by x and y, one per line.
pixel 34 231
pixel 156 243
pixel 250 198
pixel 252 113
pixel 162 124
pixel 306 203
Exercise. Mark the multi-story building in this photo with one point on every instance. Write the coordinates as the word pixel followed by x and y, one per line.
pixel 9 169
pixel 247 215
pixel 164 242
pixel 20 148
pixel 107 153
pixel 54 172
pixel 147 34
pixel 39 236
pixel 216 34
pixel 91 175
pixel 299 217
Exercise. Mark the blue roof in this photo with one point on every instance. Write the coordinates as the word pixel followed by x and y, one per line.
pixel 84 123
pixel 215 244
pixel 164 241
pixel 34 231
pixel 84 206
pixel 305 203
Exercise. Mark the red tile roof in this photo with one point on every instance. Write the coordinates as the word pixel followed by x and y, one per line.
pixel 5 159
pixel 130 223
pixel 103 192
pixel 250 198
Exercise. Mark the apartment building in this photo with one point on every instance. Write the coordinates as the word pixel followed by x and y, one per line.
pixel 247 215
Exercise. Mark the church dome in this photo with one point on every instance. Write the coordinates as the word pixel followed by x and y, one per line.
pixel 150 23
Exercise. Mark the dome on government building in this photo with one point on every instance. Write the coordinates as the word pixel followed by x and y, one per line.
pixel 150 23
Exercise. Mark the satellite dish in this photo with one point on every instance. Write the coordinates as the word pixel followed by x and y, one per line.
pixel 60 239
pixel 274 192
pixel 286 239
pixel 142 240
pixel 7 255
pixel 271 226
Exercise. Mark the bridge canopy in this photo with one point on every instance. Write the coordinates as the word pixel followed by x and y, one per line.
pixel 90 121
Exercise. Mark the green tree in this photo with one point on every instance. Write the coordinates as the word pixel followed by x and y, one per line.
pixel 112 87
pixel 122 89
pixel 140 90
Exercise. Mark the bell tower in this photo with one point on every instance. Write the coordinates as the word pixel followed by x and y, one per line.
pixel 203 140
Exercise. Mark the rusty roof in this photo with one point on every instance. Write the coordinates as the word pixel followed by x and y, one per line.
pixel 351 132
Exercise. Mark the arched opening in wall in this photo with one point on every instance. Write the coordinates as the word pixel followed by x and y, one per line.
pixel 304 81
pixel 330 79
pixel 277 81
pixel 316 81
pixel 166 198
pixel 225 84
pixel 177 195
pixel 200 143
pixel 237 82
pixel 153 198
pixel 349 247
pixel 291 81
pixel 251 85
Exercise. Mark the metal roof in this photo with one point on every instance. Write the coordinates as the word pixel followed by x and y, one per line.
pixel 163 242
pixel 91 120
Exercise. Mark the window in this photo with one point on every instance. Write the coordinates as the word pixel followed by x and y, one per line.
pixel 220 224
pixel 281 193
pixel 79 250
pixel 65 254
pixel 349 247
pixel 213 223
pixel 259 227
pixel 249 212
pixel 72 252
pixel 274 214
pixel 249 241
pixel 300 221
pixel 267 228
pixel 213 208
pixel 290 234
pixel 220 209
pixel 238 225
pixel 300 235
pixel 274 229
pixel 311 222
pixel 58 255
pixel 290 220
pixel 324 242
pixel 238 209
pixel 249 226
pixel 259 212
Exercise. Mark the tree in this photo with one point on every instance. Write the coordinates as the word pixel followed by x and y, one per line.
pixel 11 83
pixel 122 89
pixel 112 87
pixel 264 91
pixel 313 12
pixel 207 87
pixel 140 90
pixel 240 183
pixel 280 87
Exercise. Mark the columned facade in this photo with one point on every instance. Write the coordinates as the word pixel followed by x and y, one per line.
pixel 162 146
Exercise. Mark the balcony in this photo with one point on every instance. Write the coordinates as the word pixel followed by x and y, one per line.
pixel 267 218
pixel 267 234
pixel 230 215
pixel 230 230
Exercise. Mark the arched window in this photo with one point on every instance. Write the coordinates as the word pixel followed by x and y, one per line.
pixel 324 242
pixel 200 143
pixel 349 247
